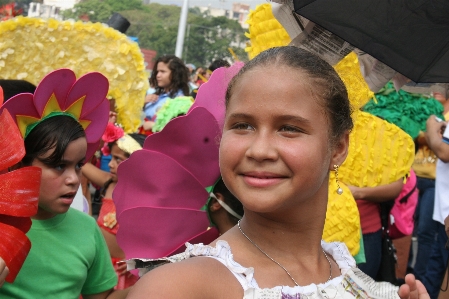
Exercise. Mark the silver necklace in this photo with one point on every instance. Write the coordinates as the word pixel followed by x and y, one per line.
pixel 288 273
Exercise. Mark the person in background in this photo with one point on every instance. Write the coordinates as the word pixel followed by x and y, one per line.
pixel 68 256
pixel 169 79
pixel 119 146
pixel 368 202
pixel 224 209
pixel 439 256
pixel 14 87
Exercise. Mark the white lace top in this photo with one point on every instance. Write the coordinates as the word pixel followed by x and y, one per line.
pixel 352 283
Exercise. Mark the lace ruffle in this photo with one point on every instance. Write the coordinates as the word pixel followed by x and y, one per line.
pixel 222 252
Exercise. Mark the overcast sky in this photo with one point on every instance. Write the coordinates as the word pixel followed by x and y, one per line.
pixel 226 4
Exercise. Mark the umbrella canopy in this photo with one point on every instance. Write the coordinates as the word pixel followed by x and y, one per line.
pixel 410 36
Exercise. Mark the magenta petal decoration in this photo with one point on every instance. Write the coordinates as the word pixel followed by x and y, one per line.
pixel 58 83
pixel 98 122
pixel 202 139
pixel 147 232
pixel 162 188
pixel 212 94
pixel 26 106
pixel 94 93
pixel 165 184
pixel 60 92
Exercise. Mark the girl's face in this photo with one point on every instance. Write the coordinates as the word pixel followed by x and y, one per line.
pixel 60 183
pixel 118 156
pixel 275 151
pixel 163 75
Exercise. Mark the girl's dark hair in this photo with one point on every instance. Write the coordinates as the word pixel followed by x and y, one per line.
pixel 179 78
pixel 54 132
pixel 217 64
pixel 15 87
pixel 229 199
pixel 327 85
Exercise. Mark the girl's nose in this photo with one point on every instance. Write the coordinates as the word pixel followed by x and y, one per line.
pixel 262 147
pixel 73 177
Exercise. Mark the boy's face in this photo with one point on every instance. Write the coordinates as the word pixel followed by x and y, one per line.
pixel 60 183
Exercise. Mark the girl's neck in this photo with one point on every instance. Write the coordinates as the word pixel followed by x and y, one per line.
pixel 301 234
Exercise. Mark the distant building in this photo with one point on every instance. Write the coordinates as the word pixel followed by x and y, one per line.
pixel 239 12
pixel 50 8
pixel 44 11
pixel 148 56
pixel 61 4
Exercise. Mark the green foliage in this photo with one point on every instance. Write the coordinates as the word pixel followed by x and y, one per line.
pixel 156 25
pixel 96 10
pixel 119 5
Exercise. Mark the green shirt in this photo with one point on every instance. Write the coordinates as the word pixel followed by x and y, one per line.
pixel 68 257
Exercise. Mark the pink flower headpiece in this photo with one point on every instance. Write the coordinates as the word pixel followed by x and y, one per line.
pixel 60 93
pixel 111 134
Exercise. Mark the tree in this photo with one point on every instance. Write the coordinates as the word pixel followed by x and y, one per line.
pixel 209 38
pixel 95 10
pixel 119 5
pixel 156 26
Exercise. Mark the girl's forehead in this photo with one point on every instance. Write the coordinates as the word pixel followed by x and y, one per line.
pixel 116 150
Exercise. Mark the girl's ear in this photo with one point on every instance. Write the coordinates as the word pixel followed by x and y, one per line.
pixel 215 205
pixel 340 150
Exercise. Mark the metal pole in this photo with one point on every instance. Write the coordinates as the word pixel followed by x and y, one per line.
pixel 187 43
pixel 182 28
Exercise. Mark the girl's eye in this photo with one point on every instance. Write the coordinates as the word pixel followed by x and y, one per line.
pixel 60 167
pixel 79 165
pixel 242 126
pixel 290 129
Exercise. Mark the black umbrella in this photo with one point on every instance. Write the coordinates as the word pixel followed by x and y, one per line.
pixel 410 36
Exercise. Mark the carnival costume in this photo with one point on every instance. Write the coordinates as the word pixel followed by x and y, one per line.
pixel 33 47
pixel 162 210
pixel 18 197
pixel 107 219
pixel 73 236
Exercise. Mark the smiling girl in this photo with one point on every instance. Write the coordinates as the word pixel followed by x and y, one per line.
pixel 61 125
pixel 286 126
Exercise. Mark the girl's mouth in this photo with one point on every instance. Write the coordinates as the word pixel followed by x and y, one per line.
pixel 262 179
pixel 68 197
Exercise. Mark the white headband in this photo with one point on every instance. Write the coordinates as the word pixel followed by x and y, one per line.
pixel 226 207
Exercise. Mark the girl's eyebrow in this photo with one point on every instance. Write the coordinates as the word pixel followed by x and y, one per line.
pixel 295 118
pixel 63 161
pixel 284 117
pixel 240 115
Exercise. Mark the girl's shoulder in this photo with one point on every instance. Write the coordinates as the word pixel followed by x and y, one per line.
pixel 199 277
pixel 213 273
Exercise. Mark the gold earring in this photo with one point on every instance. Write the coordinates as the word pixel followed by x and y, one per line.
pixel 339 190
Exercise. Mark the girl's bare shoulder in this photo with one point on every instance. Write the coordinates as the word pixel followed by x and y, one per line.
pixel 199 277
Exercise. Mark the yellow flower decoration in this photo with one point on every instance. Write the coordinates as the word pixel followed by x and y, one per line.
pixel 265 31
pixel 379 153
pixel 358 90
pixel 30 48
pixel 110 220
pixel 342 217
